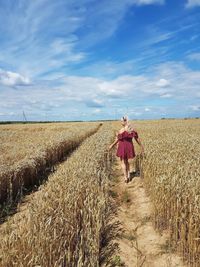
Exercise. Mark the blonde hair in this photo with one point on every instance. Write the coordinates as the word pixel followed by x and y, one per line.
pixel 125 119
pixel 129 126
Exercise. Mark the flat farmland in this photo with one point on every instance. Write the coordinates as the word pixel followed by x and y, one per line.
pixel 171 172
pixel 69 222
pixel 22 142
pixel 27 151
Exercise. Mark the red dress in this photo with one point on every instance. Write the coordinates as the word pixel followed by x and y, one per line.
pixel 125 145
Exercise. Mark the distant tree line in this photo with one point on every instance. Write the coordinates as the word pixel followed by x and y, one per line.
pixel 186 118
pixel 28 122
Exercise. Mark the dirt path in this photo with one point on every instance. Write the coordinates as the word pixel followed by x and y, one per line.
pixel 140 245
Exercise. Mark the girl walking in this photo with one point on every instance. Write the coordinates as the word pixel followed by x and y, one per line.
pixel 125 148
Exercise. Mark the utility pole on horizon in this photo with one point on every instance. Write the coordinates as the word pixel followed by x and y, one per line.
pixel 24 117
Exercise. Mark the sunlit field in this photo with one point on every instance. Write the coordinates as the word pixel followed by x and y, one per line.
pixel 172 178
pixel 67 223
pixel 28 150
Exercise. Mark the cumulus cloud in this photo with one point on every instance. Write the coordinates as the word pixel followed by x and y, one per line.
pixel 162 83
pixel 9 78
pixel 192 3
pixel 119 87
pixel 176 84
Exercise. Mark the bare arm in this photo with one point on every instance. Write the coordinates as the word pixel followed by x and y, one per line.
pixel 113 144
pixel 140 144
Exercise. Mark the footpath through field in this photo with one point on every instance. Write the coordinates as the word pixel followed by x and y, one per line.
pixel 140 245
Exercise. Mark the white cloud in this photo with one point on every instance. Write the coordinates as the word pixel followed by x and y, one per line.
pixel 155 36
pixel 192 3
pixel 118 87
pixel 94 103
pixel 60 46
pixel 194 56
pixel 96 111
pixel 149 2
pixel 179 82
pixel 33 29
pixel 166 95
pixel 195 107
pixel 90 94
pixel 9 78
pixel 7 113
pixel 43 34
pixel 162 83
pixel 112 13
pixel 194 37
pixel 106 68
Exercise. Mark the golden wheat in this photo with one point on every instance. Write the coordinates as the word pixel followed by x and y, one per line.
pixel 172 178
pixel 27 151
pixel 63 223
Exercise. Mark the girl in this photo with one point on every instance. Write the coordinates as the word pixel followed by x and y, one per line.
pixel 125 148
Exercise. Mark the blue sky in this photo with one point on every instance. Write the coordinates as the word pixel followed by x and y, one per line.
pixel 87 59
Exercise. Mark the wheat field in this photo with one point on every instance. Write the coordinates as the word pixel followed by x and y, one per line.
pixel 65 223
pixel 27 151
pixel 62 225
pixel 172 179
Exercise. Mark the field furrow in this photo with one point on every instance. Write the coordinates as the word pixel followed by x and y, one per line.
pixel 64 223
pixel 28 153
pixel 72 221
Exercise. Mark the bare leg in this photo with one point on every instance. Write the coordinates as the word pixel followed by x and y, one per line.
pixel 123 165
pixel 128 168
